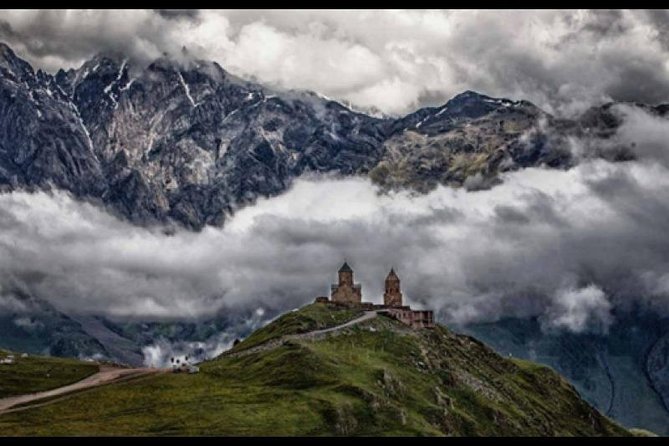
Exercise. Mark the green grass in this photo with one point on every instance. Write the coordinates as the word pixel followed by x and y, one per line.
pixel 316 316
pixel 376 378
pixel 642 433
pixel 29 375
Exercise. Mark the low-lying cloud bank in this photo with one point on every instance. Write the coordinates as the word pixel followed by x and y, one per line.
pixel 567 246
pixel 161 350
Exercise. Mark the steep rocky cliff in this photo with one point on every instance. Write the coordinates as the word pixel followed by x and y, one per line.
pixel 184 141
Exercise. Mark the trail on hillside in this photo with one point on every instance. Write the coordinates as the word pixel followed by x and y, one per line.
pixel 312 335
pixel 106 375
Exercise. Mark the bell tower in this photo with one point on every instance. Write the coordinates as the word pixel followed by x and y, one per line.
pixel 345 275
pixel 393 296
pixel 346 291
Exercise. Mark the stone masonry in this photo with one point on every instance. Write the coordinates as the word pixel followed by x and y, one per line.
pixel 393 296
pixel 348 293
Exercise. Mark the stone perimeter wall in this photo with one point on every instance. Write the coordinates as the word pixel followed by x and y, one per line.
pixel 404 314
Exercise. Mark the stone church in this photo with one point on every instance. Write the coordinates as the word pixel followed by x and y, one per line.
pixel 349 293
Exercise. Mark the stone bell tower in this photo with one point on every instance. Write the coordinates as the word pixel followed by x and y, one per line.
pixel 393 296
pixel 346 291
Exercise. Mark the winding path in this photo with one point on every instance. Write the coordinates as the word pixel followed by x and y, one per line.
pixel 311 335
pixel 365 317
pixel 106 375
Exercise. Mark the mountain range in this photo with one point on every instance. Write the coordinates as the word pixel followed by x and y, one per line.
pixel 186 142
pixel 183 142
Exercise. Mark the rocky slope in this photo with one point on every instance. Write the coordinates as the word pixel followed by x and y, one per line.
pixel 375 378
pixel 33 325
pixel 187 142
pixel 622 373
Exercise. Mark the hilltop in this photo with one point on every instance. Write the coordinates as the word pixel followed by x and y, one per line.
pixel 377 376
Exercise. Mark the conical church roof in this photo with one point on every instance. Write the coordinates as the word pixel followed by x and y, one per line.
pixel 392 274
pixel 345 268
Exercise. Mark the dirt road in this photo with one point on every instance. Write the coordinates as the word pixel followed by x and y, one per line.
pixel 365 317
pixel 106 375
pixel 311 335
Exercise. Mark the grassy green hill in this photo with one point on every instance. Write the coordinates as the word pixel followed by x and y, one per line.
pixel 38 373
pixel 309 318
pixel 376 378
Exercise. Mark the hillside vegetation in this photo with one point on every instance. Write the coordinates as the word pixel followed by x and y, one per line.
pixel 308 318
pixel 38 373
pixel 375 378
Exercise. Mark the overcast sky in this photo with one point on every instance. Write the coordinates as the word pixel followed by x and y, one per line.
pixel 395 61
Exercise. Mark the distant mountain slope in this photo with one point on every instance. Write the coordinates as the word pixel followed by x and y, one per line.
pixel 33 325
pixel 469 140
pixel 188 142
pixel 623 373
pixel 376 378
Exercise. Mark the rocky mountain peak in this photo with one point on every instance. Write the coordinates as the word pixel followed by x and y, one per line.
pixel 471 104
pixel 181 140
pixel 109 56
pixel 12 66
pixel 468 95
pixel 6 51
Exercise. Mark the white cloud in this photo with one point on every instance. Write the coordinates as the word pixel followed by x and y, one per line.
pixel 577 309
pixel 474 255
pixel 9 304
pixel 394 60
pixel 27 323
pixel 599 228
pixel 160 352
